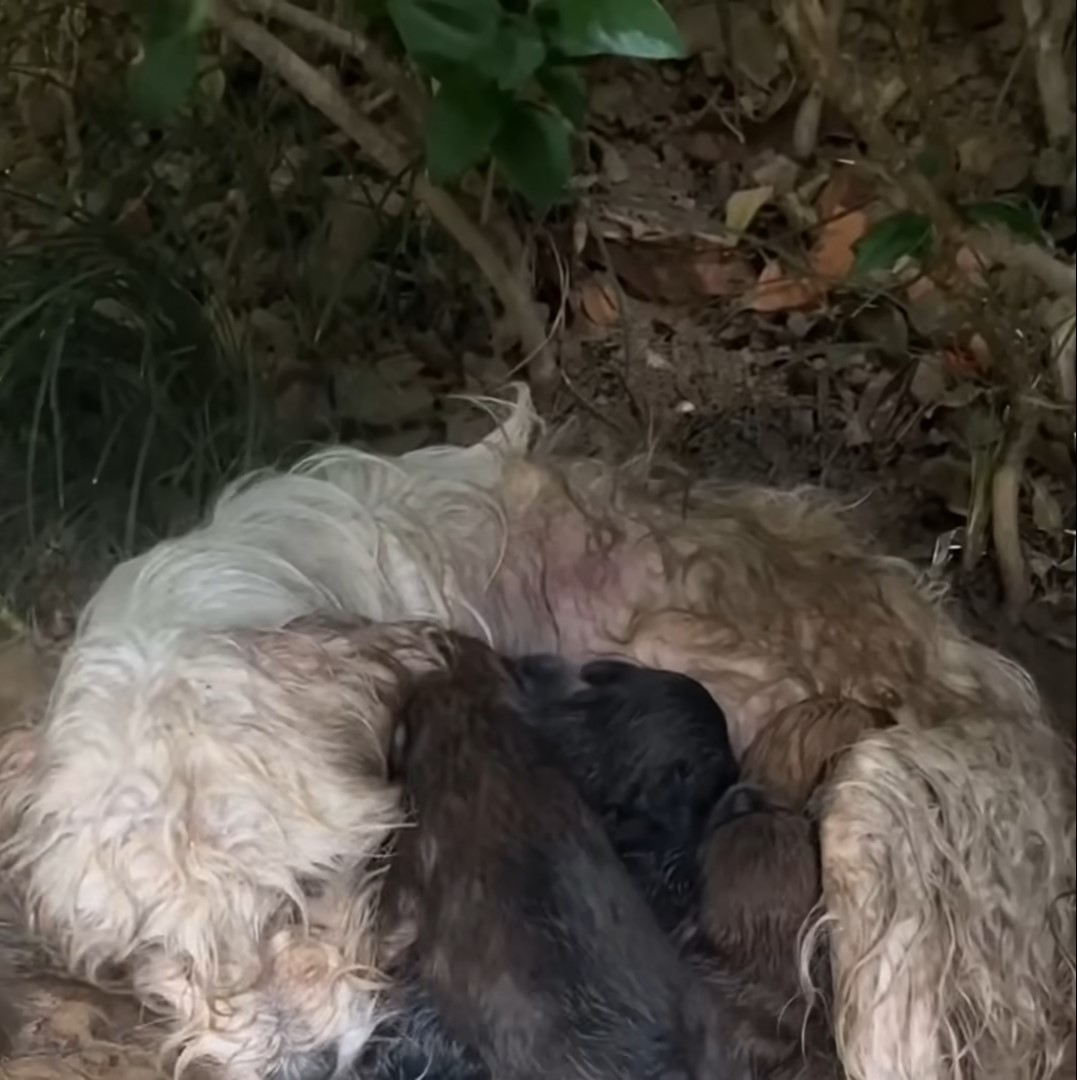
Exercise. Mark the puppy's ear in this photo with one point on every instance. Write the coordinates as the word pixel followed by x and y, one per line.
pixel 739 801
pixel 603 672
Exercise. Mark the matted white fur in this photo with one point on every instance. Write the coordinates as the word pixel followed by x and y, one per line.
pixel 189 788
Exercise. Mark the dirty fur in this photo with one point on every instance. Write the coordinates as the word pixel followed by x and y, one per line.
pixel 199 810
pixel 536 948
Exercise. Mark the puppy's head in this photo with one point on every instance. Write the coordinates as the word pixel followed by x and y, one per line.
pixel 761 879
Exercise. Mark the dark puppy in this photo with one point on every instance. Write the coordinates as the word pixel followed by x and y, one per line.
pixel 761 878
pixel 533 943
pixel 415 1045
pixel 650 753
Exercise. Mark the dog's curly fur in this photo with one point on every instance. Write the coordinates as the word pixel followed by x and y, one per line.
pixel 197 812
pixel 945 839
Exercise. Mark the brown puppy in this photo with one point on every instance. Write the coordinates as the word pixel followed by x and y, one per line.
pixel 760 873
pixel 532 941
pixel 793 753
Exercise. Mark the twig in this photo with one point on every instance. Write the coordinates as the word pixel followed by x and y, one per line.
pixel 327 99
pixel 350 41
pixel 1047 22
pixel 1005 520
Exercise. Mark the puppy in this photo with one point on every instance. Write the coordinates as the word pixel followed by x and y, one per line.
pixel 793 753
pixel 413 1044
pixel 761 878
pixel 650 753
pixel 534 945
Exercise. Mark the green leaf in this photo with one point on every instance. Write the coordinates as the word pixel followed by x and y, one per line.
pixel 565 87
pixel 535 155
pixel 929 162
pixel 451 29
pixel 463 120
pixel 516 54
pixel 641 29
pixel 160 84
pixel 1015 214
pixel 902 234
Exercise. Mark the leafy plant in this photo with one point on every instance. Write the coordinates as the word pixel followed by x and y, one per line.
pixel 505 75
pixel 507 82
pixel 907 234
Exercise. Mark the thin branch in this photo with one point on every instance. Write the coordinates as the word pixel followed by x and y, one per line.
pixel 1047 22
pixel 349 40
pixel 312 85
pixel 1005 515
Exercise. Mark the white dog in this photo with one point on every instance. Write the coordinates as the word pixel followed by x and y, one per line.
pixel 206 795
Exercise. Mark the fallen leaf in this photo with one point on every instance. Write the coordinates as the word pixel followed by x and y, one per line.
pixel 928 382
pixel 742 206
pixel 680 271
pixel 834 253
pixel 599 302
pixel 847 187
pixel 754 48
pixel 716 274
pixel 774 291
pixel 1046 511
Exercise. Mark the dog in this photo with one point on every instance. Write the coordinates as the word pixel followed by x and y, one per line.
pixel 793 754
pixel 532 939
pixel 957 822
pixel 649 752
pixel 215 846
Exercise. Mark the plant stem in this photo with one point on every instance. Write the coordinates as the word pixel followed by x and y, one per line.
pixel 312 85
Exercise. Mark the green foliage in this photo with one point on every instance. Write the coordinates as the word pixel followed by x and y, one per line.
pixel 907 234
pixel 1017 215
pixel 636 28
pixel 162 80
pixel 532 149
pixel 507 85
pixel 902 235
pixel 122 404
pixel 503 75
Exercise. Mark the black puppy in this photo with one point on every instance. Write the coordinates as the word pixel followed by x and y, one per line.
pixel 531 940
pixel 414 1044
pixel 649 751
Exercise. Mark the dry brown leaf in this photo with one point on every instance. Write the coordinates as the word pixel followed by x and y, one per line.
pixel 716 274
pixel 1046 511
pixel 742 206
pixel 774 291
pixel 928 381
pixel 679 271
pixel 833 254
pixel 599 303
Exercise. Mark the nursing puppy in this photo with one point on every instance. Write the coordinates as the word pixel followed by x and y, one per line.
pixel 413 1043
pixel 761 879
pixel 535 946
pixel 649 752
pixel 793 754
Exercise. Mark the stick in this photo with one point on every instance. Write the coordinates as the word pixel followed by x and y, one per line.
pixel 351 41
pixel 1005 519
pixel 276 57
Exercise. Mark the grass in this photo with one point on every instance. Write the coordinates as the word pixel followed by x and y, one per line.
pixel 125 399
